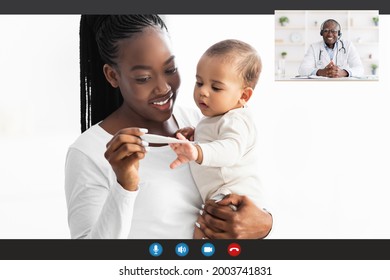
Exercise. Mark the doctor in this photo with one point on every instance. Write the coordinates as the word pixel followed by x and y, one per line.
pixel 331 57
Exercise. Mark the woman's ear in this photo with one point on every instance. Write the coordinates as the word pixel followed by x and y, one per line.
pixel 246 95
pixel 111 75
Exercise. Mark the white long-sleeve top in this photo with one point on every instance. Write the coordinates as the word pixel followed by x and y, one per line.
pixel 228 144
pixel 345 57
pixel 165 206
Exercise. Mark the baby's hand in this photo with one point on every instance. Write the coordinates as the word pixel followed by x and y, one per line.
pixel 187 132
pixel 185 152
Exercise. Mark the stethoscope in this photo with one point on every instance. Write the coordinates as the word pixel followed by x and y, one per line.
pixel 337 52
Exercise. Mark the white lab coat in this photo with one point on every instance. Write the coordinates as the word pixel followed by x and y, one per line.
pixel 346 58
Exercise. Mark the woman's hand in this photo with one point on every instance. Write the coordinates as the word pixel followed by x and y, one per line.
pixel 124 151
pixel 188 132
pixel 219 221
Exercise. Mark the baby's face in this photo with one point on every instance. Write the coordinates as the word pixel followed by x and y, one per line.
pixel 218 88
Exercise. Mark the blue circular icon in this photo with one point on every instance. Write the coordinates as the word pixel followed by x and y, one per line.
pixel 155 249
pixel 208 249
pixel 182 249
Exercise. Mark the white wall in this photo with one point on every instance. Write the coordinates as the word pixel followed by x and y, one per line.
pixel 39 119
pixel 324 146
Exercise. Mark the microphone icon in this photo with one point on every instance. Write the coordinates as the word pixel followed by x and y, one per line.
pixel 155 249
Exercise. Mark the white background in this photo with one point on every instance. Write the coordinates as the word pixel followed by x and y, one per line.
pixel 324 146
pixel 280 270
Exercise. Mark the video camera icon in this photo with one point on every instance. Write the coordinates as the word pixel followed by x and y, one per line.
pixel 208 249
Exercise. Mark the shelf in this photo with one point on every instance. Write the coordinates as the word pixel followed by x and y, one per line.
pixel 369 60
pixel 355 28
pixel 348 28
pixel 289 27
pixel 289 44
pixel 365 43
pixel 291 60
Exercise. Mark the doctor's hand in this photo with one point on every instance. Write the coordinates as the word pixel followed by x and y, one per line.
pixel 219 221
pixel 332 71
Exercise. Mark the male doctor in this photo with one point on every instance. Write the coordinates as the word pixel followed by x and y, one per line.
pixel 331 57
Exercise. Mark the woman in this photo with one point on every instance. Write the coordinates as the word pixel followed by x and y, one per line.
pixel 116 186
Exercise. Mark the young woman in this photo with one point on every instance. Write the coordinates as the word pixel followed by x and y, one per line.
pixel 117 186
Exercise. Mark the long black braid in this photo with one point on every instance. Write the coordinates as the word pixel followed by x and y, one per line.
pixel 99 36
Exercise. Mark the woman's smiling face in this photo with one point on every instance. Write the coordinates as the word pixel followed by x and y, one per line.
pixel 147 75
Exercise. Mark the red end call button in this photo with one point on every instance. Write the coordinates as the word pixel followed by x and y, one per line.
pixel 234 249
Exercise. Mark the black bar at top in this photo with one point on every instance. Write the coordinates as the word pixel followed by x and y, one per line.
pixel 182 6
pixel 268 249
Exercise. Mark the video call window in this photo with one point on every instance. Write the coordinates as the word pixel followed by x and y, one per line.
pixel 308 40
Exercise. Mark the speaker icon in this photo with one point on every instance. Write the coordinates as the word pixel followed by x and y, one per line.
pixel 182 249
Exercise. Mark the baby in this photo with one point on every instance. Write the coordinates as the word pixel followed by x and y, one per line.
pixel 223 158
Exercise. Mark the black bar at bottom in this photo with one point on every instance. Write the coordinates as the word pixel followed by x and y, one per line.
pixel 268 249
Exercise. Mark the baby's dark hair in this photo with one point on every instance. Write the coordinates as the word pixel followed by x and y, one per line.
pixel 99 37
pixel 245 58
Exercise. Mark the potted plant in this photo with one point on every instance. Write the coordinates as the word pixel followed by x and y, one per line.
pixel 283 54
pixel 375 20
pixel 283 20
pixel 373 68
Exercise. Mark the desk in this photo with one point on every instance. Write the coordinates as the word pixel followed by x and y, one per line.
pixel 326 79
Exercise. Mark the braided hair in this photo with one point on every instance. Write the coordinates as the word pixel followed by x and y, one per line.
pixel 99 37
